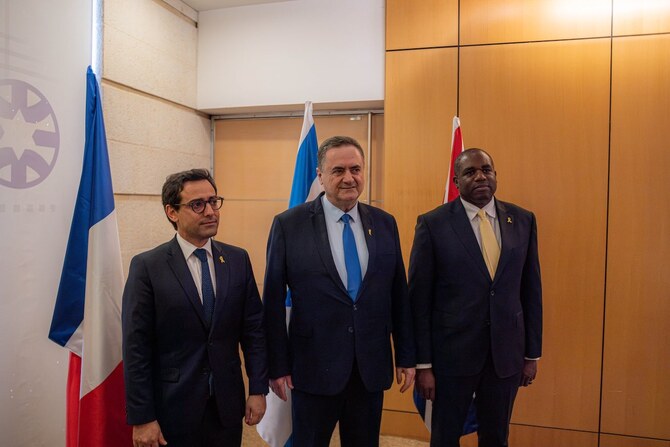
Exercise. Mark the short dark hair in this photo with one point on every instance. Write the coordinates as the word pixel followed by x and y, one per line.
pixel 336 141
pixel 467 152
pixel 174 185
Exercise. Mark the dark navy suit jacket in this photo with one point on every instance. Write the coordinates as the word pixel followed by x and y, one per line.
pixel 169 352
pixel 459 312
pixel 328 331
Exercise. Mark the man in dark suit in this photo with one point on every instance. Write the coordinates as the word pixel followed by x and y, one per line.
pixel 474 285
pixel 187 307
pixel 341 261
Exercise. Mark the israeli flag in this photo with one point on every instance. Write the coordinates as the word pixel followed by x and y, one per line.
pixel 305 184
pixel 276 426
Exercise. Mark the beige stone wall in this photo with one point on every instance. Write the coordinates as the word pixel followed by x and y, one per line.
pixel 149 95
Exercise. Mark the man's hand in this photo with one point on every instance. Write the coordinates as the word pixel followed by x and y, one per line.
pixel 148 435
pixel 409 377
pixel 255 409
pixel 279 385
pixel 425 383
pixel 529 372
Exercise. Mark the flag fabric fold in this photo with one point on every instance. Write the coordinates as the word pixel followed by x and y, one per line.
pixel 423 406
pixel 276 426
pixel 87 313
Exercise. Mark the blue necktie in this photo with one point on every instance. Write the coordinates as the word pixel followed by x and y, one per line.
pixel 207 287
pixel 351 261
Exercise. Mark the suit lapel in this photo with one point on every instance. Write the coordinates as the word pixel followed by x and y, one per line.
pixel 506 221
pixel 322 242
pixel 178 265
pixel 463 228
pixel 222 272
pixel 371 242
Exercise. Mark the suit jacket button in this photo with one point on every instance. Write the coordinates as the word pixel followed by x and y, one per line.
pixel 488 322
pixel 351 330
pixel 493 292
pixel 355 308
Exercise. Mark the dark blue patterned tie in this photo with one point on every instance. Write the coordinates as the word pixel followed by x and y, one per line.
pixel 351 260
pixel 207 287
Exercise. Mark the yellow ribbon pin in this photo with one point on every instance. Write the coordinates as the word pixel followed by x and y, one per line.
pixel 370 231
pixel 221 260
pixel 509 220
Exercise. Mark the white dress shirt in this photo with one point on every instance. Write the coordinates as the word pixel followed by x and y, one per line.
pixel 194 264
pixel 334 226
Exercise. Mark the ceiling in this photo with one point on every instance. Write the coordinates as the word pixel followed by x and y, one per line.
pixel 206 5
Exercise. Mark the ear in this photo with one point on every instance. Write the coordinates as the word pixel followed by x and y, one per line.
pixel 318 174
pixel 455 180
pixel 171 213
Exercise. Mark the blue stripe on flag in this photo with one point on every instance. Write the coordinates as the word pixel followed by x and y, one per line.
pixel 95 201
pixel 305 168
pixel 419 403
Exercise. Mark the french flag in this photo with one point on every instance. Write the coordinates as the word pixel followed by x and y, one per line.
pixel 87 314
pixel 276 426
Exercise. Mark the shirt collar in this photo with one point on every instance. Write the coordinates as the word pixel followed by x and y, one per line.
pixel 187 248
pixel 472 210
pixel 334 214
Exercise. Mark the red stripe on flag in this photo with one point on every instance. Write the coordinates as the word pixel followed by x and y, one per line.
pixel 456 149
pixel 99 418
pixel 102 415
pixel 72 401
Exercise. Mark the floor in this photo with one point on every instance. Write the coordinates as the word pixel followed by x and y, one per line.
pixel 250 438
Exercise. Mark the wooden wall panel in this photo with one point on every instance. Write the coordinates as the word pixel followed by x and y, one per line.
pixel 264 152
pixel 420 104
pixel 629 441
pixel 375 183
pixel 493 21
pixel 529 436
pixel 247 225
pixel 641 16
pixel 254 159
pixel 541 110
pixel 421 23
pixel 636 375
pixel 407 425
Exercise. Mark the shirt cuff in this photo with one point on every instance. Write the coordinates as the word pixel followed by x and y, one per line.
pixel 424 365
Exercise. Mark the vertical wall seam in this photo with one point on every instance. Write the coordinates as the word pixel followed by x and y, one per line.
pixel 607 222
pixel 458 62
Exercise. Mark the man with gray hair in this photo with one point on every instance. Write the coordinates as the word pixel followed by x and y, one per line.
pixel 341 261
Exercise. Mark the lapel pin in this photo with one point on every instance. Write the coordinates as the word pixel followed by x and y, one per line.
pixel 221 260
pixel 509 220
pixel 370 231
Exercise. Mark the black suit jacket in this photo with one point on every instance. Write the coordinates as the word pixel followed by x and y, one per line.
pixel 327 330
pixel 459 312
pixel 168 349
